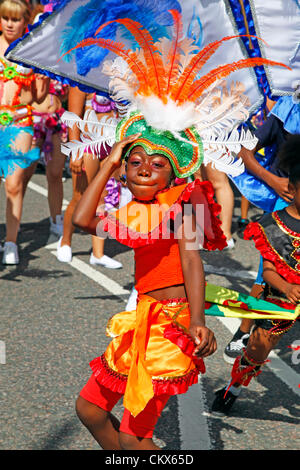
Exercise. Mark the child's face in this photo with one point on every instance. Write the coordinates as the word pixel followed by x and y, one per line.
pixel 12 28
pixel 147 174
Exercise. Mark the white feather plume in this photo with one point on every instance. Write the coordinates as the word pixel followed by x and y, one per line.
pixel 223 162
pixel 169 116
pixel 95 133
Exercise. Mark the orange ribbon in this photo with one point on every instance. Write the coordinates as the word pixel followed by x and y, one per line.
pixel 139 389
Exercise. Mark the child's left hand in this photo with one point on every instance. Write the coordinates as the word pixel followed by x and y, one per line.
pixel 204 339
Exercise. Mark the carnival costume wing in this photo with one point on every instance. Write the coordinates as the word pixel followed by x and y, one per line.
pixel 70 21
pixel 181 113
pixel 277 23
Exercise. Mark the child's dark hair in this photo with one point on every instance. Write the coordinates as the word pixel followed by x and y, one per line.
pixel 289 157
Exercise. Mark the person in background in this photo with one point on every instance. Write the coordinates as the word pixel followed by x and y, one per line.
pixel 269 187
pixel 276 237
pixel 83 172
pixel 19 88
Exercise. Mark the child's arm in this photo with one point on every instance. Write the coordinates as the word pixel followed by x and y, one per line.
pixel 279 184
pixel 271 277
pixel 84 215
pixel 194 280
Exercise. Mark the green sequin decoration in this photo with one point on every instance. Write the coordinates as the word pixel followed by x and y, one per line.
pixel 5 119
pixel 10 73
pixel 163 142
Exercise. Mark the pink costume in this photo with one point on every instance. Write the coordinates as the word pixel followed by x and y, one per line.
pixel 47 124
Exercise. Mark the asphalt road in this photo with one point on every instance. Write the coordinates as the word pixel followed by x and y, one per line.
pixel 53 318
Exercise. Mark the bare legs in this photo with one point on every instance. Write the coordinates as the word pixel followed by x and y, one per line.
pixel 244 207
pixel 104 427
pixel 54 172
pixel 92 166
pixel 14 203
pixel 80 183
pixel 14 191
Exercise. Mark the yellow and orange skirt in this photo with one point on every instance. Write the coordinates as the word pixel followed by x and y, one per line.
pixel 150 354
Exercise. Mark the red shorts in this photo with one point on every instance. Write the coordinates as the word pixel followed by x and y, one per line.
pixel 142 425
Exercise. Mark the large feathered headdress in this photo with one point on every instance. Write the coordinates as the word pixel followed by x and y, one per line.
pixel 159 92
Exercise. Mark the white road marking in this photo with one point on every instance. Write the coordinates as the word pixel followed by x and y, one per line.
pixel 2 352
pixel 44 192
pixel 112 286
pixel 194 431
pixel 104 281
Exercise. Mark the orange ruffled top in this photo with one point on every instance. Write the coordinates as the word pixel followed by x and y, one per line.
pixel 145 228
pixel 151 352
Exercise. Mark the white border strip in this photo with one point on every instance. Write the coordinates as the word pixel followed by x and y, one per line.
pixel 193 424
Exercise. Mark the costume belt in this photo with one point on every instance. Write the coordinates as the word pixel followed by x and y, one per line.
pixel 153 325
pixel 20 115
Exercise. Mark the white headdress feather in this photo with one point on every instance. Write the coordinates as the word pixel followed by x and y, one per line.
pixel 161 81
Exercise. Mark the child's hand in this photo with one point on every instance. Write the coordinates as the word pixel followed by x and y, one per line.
pixel 204 339
pixel 115 156
pixel 281 187
pixel 293 293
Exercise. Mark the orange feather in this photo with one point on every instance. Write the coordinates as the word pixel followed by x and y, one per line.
pixel 130 57
pixel 184 83
pixel 156 71
pixel 223 71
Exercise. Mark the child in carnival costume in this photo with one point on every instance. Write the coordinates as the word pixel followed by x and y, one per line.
pixel 277 237
pixel 266 185
pixel 19 88
pixel 173 122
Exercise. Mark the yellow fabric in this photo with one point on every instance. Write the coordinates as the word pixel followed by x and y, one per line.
pixel 140 351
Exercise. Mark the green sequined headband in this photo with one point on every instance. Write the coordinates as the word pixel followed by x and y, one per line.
pixel 184 157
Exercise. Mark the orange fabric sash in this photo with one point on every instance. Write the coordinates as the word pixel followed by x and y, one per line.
pixel 139 388
pixel 151 350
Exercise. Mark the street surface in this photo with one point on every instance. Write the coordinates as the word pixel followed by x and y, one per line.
pixel 53 318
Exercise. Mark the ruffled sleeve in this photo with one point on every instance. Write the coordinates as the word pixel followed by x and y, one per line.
pixel 257 233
